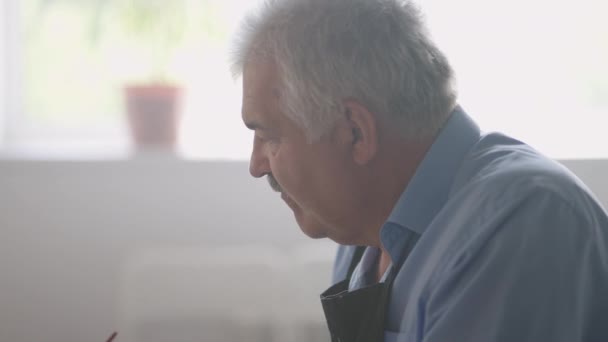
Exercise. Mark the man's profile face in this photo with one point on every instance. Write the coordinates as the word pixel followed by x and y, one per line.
pixel 306 174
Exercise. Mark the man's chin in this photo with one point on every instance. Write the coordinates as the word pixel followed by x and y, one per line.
pixel 308 225
pixel 318 233
pixel 313 233
pixel 313 230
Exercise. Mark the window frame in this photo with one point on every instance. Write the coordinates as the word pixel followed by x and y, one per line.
pixel 11 117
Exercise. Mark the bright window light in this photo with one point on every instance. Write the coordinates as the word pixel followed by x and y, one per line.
pixel 533 69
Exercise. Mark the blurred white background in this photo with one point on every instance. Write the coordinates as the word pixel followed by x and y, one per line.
pixel 189 247
pixel 533 69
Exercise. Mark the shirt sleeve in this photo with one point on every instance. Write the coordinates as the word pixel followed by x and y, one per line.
pixel 541 275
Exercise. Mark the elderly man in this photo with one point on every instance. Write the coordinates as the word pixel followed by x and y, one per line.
pixel 467 236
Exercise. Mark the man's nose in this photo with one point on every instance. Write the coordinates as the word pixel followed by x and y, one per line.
pixel 258 164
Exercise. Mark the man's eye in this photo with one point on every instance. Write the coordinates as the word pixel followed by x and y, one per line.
pixel 261 138
pixel 266 138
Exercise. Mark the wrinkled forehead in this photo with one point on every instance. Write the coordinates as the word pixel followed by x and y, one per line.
pixel 260 77
pixel 261 91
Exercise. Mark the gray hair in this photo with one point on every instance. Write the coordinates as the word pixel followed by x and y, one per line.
pixel 376 52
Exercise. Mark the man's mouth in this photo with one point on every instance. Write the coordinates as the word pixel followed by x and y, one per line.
pixel 285 197
pixel 273 183
pixel 288 200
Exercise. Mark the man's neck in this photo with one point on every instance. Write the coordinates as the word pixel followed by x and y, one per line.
pixel 395 167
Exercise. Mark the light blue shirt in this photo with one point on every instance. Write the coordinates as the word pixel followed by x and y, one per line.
pixel 365 272
pixel 511 247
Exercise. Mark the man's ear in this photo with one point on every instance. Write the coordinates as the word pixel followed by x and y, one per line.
pixel 363 125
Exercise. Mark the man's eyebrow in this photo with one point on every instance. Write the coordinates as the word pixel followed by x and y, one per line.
pixel 254 125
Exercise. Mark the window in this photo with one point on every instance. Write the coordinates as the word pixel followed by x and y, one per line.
pixel 74 59
pixel 532 69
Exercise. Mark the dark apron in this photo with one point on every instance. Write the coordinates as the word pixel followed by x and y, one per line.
pixel 359 315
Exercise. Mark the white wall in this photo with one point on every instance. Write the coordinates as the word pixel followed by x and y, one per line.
pixel 67 230
pixel 74 237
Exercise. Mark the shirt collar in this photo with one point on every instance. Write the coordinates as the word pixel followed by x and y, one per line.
pixel 365 272
pixel 428 189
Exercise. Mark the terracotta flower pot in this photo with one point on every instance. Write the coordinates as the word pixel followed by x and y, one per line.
pixel 153 113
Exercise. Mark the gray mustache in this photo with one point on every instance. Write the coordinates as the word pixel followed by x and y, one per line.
pixel 273 183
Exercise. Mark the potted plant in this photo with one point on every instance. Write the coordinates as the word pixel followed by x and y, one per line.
pixel 153 105
pixel 139 42
pixel 149 33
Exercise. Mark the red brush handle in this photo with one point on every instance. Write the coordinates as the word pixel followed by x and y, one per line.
pixel 111 338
